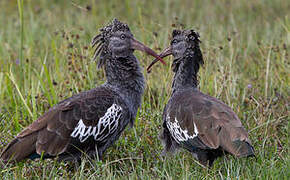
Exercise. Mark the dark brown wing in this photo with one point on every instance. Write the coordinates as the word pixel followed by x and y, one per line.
pixel 201 121
pixel 51 133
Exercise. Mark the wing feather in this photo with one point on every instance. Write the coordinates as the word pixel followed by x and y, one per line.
pixel 216 123
pixel 52 132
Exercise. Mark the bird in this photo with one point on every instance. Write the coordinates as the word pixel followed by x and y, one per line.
pixel 91 121
pixel 192 120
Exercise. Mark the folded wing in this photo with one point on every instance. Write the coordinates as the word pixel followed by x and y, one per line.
pixel 199 121
pixel 95 113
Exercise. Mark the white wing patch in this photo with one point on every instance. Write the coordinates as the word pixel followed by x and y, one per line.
pixel 109 122
pixel 177 132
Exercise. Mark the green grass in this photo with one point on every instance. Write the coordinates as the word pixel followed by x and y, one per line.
pixel 45 57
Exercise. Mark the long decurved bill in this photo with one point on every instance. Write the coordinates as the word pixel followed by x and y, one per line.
pixel 164 53
pixel 139 46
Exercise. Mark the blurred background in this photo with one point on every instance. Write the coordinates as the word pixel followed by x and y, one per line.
pixel 45 56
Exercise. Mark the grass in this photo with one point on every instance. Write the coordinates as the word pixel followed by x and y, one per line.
pixel 45 57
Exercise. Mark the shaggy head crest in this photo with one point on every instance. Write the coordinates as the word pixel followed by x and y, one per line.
pixel 101 41
pixel 184 44
pixel 192 37
pixel 190 49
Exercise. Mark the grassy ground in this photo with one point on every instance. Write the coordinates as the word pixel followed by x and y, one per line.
pixel 45 57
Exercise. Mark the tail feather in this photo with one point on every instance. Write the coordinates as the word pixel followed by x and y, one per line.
pixel 235 141
pixel 243 148
pixel 19 149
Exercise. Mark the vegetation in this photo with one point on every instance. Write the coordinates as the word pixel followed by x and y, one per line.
pixel 45 57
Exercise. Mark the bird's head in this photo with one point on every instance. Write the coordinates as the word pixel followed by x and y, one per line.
pixel 184 45
pixel 117 41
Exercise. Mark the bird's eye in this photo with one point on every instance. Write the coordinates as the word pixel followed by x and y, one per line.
pixel 123 36
pixel 191 37
pixel 174 41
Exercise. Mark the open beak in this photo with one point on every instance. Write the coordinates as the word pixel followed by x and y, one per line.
pixel 139 46
pixel 164 53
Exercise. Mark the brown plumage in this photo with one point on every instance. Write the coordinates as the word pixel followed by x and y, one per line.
pixel 51 133
pixel 91 121
pixel 195 121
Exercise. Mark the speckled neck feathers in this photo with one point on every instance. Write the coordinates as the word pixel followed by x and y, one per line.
pixel 186 69
pixel 125 74
pixel 122 69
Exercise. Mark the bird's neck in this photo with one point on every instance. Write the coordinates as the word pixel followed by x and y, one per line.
pixel 125 75
pixel 186 73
